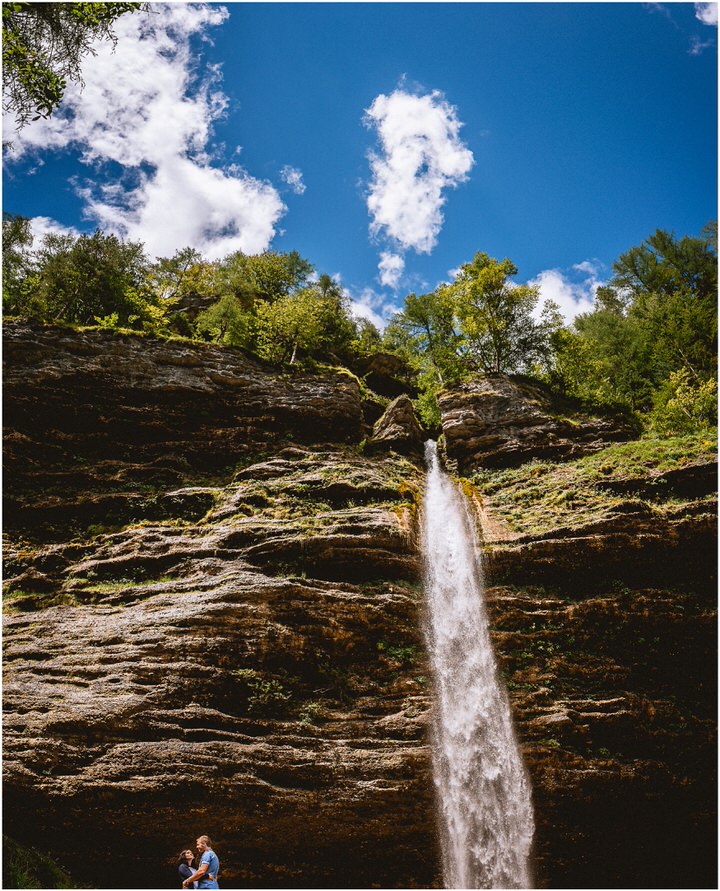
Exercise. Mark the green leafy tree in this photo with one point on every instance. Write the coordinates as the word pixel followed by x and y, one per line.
pixel 669 286
pixel 423 334
pixel 293 323
pixel 86 279
pixel 657 315
pixel 185 285
pixel 665 264
pixel 684 405
pixel 367 340
pixel 496 317
pixel 226 322
pixel 43 48
pixel 339 330
pixel 615 347
pixel 267 276
pixel 17 240
pixel 427 327
pixel 185 274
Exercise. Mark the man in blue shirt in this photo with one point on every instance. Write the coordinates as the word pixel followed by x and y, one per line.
pixel 207 872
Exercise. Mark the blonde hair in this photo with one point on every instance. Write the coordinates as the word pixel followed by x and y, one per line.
pixel 205 839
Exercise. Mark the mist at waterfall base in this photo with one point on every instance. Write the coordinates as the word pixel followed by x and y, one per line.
pixel 483 793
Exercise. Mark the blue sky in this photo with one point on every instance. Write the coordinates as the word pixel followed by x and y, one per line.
pixel 389 142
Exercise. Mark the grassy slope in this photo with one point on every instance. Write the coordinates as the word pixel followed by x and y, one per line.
pixel 542 495
pixel 27 868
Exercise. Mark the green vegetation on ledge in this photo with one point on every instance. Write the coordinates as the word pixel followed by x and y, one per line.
pixel 648 345
pixel 24 867
pixel 541 496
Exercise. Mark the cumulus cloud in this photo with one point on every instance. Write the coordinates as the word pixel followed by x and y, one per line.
pixel 573 290
pixel 143 123
pixel 294 178
pixel 42 226
pixel 420 156
pixel 707 13
pixel 368 304
pixel 391 268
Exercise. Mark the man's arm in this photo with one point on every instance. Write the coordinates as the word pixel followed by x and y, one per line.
pixel 196 876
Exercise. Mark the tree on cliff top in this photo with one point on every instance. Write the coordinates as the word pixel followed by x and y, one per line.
pixel 43 47
pixel 17 239
pixel 91 279
pixel 426 327
pixel 496 316
pixel 267 276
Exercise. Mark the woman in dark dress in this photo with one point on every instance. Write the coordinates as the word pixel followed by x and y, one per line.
pixel 185 865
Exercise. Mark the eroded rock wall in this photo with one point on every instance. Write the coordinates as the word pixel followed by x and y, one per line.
pixel 501 421
pixel 213 624
pixel 212 620
pixel 605 625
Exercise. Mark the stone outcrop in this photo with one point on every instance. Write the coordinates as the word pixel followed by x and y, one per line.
pixel 174 688
pixel 386 374
pixel 499 421
pixel 102 428
pixel 614 700
pixel 167 403
pixel 212 623
pixel 398 429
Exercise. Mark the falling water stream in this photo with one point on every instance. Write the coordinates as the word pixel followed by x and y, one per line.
pixel 486 820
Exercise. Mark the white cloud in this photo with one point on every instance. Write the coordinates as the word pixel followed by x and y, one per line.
pixel 42 226
pixel 368 304
pixel 707 13
pixel 697 45
pixel 421 155
pixel 294 178
pixel 573 290
pixel 391 268
pixel 145 109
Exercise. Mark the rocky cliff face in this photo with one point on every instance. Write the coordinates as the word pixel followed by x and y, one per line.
pixel 212 624
pixel 497 421
pixel 602 594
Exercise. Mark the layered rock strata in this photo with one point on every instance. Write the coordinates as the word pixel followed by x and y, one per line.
pixel 606 632
pixel 90 415
pixel 211 625
pixel 499 421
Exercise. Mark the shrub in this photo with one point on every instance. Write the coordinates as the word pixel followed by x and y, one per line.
pixel 684 405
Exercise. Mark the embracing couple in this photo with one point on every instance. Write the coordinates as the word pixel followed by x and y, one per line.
pixel 206 875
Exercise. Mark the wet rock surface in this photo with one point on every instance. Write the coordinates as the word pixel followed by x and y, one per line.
pixel 606 634
pixel 209 627
pixel 175 677
pixel 615 707
pixel 99 414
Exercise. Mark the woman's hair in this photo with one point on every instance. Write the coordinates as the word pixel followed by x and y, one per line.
pixel 206 840
pixel 181 855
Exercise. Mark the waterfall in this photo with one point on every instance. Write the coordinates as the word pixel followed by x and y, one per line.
pixel 483 794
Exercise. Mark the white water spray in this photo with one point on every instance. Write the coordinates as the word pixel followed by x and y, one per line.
pixel 482 789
